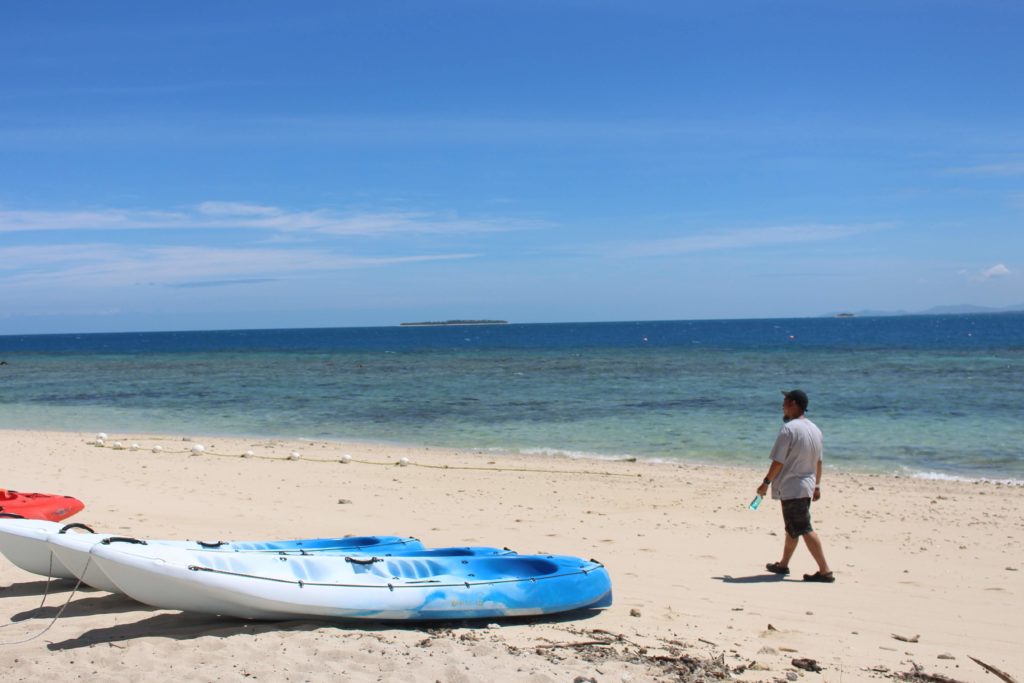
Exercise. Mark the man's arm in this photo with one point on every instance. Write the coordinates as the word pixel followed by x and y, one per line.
pixel 817 481
pixel 773 472
pixel 779 452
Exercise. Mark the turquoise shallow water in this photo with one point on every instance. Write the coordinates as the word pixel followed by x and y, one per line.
pixel 941 395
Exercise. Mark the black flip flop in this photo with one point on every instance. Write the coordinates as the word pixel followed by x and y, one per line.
pixel 776 568
pixel 819 577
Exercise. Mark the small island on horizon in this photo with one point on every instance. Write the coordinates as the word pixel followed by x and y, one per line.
pixel 438 323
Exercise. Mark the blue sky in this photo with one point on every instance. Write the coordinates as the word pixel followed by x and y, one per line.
pixel 268 164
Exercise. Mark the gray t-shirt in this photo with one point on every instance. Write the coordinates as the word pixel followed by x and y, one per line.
pixel 798 447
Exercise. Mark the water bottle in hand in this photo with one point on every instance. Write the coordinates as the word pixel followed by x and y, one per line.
pixel 756 502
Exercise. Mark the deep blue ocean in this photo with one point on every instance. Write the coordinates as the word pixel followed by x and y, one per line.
pixel 926 395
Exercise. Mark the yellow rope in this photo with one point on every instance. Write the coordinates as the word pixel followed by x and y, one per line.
pixel 385 464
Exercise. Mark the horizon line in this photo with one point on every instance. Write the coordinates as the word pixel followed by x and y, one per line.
pixel 823 316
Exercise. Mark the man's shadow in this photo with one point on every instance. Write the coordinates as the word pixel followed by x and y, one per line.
pixel 757 578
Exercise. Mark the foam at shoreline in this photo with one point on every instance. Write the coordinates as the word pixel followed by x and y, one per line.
pixel 345 446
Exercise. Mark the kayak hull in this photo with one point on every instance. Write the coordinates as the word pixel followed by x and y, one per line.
pixel 23 542
pixel 401 588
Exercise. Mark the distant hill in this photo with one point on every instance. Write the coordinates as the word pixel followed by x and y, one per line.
pixel 441 323
pixel 961 309
pixel 968 308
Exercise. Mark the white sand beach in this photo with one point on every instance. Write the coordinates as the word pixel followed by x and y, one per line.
pixel 929 573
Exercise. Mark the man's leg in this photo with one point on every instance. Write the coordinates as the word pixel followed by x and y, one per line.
pixel 788 548
pixel 791 522
pixel 814 546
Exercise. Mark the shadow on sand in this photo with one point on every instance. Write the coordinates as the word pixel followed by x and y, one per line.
pixel 756 578
pixel 27 589
pixel 186 626
pixel 86 606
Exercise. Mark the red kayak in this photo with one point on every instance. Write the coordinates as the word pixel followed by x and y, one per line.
pixel 38 505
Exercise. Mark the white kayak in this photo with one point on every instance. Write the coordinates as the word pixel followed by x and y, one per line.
pixel 23 542
pixel 74 551
pixel 416 586
pixel 49 549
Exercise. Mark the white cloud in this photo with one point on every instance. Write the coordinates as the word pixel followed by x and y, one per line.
pixel 998 270
pixel 100 219
pixel 1008 168
pixel 237 209
pixel 744 239
pixel 32 258
pixel 111 265
pixel 234 215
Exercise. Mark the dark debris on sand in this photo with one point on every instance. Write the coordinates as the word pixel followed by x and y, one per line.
pixel 918 675
pixel 598 646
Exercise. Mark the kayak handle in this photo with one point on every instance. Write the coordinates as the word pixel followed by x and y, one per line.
pixel 76 525
pixel 369 560
pixel 123 539
pixel 11 515
pixel 215 544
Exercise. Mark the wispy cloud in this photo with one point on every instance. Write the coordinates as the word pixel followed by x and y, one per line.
pixel 114 265
pixel 1006 168
pixel 744 238
pixel 235 215
pixel 223 283
pixel 374 130
pixel 996 271
pixel 383 131
pixel 236 209
pixel 99 219
pixel 43 258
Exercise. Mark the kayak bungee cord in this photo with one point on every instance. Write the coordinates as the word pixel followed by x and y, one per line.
pixel 404 462
pixel 419 583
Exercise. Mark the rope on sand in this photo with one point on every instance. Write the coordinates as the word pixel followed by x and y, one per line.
pixel 59 612
pixel 46 592
pixel 199 450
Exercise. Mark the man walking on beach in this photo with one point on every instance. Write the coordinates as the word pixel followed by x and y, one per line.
pixel 795 478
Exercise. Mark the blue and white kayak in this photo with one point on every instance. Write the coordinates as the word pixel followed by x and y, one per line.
pixel 73 550
pixel 415 588
pixel 48 549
